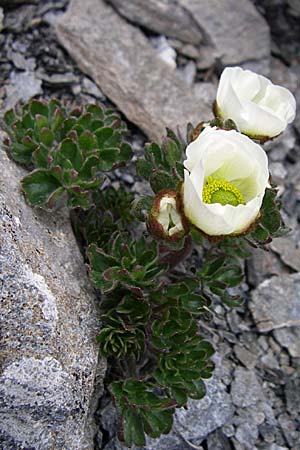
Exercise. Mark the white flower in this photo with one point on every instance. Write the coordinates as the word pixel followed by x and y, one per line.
pixel 258 107
pixel 165 220
pixel 224 182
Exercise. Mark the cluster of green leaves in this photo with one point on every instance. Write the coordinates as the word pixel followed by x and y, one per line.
pixel 68 151
pixel 149 328
pixel 144 410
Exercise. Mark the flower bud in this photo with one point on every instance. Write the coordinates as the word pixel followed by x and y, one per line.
pixel 165 219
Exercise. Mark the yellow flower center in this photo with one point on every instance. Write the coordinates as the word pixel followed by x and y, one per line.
pixel 221 191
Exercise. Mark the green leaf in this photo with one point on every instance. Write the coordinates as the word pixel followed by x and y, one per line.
pixel 21 153
pixel 46 137
pixel 160 180
pixel 40 122
pixel 39 108
pixel 10 118
pixel 133 428
pixel 153 154
pixel 173 152
pixel 40 157
pixel 142 206
pixel 144 168
pixel 39 186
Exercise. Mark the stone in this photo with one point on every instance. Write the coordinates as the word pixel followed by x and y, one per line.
pixel 23 86
pixel 292 395
pixel 263 264
pixel 290 339
pixel 248 359
pixel 278 148
pixel 245 389
pixel 164 51
pixel 20 62
pixel 218 441
pixel 1 19
pixel 19 19
pixel 121 61
pixel 288 246
pixel 188 73
pixel 275 303
pixel 49 323
pixel 234 31
pixel 204 416
pixel 16 2
pixel 89 87
pixel 247 434
pixel 163 17
pixel 58 79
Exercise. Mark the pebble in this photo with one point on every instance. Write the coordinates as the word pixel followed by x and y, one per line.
pixel 164 51
pixel 245 389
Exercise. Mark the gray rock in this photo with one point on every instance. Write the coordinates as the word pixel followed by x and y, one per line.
pixel 205 416
pixel 1 19
pixel 218 441
pixel 89 87
pixel 23 86
pixel 247 434
pixel 16 2
pixel 292 395
pixel 163 17
pixel 164 50
pixel 278 148
pixel 275 303
pixel 290 339
pixel 245 389
pixel 120 60
pixel 19 19
pixel 263 264
pixel 248 359
pixel 288 247
pixel 234 31
pixel 49 322
pixel 20 62
pixel 58 79
pixel 188 73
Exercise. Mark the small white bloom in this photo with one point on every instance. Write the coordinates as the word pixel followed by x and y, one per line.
pixel 226 175
pixel 258 107
pixel 165 220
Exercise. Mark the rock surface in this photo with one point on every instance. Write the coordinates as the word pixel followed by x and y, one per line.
pixel 245 389
pixel 235 32
pixel 49 323
pixel 23 86
pixel 162 16
pixel 275 303
pixel 119 58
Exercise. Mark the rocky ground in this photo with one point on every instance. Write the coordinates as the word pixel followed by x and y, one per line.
pixel 158 62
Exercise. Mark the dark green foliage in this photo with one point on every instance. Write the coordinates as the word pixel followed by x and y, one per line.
pixel 162 165
pixel 144 410
pixel 130 263
pixel 72 148
pixel 222 271
pixel 270 224
pixel 112 211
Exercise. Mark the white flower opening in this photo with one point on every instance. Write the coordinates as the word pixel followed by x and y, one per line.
pixel 257 106
pixel 168 216
pixel 224 182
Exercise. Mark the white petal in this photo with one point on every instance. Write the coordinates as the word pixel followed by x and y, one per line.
pixel 257 106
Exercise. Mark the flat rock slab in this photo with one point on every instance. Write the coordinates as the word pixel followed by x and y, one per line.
pixel 276 303
pixel 162 16
pixel 49 321
pixel 119 58
pixel 235 31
